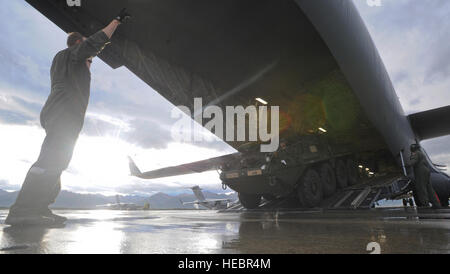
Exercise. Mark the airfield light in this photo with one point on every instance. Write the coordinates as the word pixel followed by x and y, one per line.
pixel 322 129
pixel 261 101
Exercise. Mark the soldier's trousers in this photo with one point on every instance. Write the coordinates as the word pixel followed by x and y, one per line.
pixel 42 183
pixel 424 190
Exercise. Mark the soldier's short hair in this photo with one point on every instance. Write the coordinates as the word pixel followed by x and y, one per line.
pixel 73 38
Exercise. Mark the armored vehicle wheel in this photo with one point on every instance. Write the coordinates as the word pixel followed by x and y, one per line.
pixel 352 172
pixel 341 174
pixel 269 197
pixel 328 179
pixel 310 192
pixel 249 201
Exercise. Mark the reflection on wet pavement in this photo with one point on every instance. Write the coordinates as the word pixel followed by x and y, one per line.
pixel 103 231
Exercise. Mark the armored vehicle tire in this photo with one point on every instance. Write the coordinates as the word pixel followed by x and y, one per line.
pixel 309 189
pixel 341 174
pixel 352 172
pixel 269 197
pixel 328 179
pixel 249 201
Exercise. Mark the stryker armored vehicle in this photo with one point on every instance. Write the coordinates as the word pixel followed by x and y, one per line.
pixel 340 119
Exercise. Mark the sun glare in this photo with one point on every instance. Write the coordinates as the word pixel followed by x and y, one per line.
pixel 101 160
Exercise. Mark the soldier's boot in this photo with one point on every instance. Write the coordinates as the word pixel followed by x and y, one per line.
pixel 33 197
pixel 58 219
pixel 45 211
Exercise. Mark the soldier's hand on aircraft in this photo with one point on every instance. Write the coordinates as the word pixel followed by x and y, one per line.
pixel 123 16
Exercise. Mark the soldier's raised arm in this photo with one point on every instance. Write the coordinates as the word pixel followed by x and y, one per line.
pixel 95 43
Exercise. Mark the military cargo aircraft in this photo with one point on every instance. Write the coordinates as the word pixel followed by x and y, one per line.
pixel 341 121
pixel 208 203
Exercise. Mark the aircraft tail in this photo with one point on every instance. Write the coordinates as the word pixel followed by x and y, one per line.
pixel 134 170
pixel 198 193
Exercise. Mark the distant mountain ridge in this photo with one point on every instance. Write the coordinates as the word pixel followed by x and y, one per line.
pixel 160 200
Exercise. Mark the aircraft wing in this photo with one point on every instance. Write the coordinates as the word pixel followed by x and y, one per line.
pixel 206 201
pixel 194 167
pixel 191 203
pixel 217 200
pixel 431 123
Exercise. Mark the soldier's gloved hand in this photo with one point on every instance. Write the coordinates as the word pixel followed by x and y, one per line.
pixel 123 16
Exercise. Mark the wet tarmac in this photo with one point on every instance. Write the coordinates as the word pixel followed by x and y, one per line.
pixel 394 230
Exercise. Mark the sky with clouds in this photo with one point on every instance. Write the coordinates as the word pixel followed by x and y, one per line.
pixel 127 117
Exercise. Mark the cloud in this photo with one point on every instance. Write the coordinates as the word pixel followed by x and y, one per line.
pixel 25 62
pixel 412 38
pixel 437 154
pixel 439 67
pixel 16 107
pixel 148 134
pixel 5 185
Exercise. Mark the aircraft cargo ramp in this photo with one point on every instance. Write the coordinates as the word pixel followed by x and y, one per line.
pixel 361 196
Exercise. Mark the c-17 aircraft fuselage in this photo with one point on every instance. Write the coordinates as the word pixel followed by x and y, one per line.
pixel 341 118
